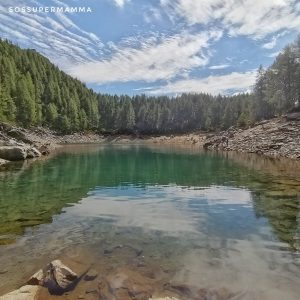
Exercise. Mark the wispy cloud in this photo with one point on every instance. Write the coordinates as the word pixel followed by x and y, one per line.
pixel 223 84
pixel 164 52
pixel 271 44
pixel 239 17
pixel 120 3
pixel 156 59
pixel 219 67
pixel 55 36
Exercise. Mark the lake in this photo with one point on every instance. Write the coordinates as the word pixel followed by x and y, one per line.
pixel 181 220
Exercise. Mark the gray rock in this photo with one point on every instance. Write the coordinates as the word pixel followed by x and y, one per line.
pixel 293 116
pixel 90 275
pixel 33 152
pixel 3 161
pixel 45 149
pixel 13 153
pixel 19 135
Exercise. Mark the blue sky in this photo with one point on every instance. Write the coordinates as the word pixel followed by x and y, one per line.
pixel 157 46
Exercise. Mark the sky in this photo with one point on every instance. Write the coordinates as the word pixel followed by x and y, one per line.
pixel 156 47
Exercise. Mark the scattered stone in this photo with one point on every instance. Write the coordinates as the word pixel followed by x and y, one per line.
pixel 33 152
pixel 3 272
pixel 3 161
pixel 13 153
pixel 90 275
pixel 91 291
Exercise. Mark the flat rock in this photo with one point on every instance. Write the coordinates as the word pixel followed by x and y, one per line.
pixel 26 292
pixel 293 116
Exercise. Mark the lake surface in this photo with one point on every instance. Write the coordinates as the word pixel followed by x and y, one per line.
pixel 204 220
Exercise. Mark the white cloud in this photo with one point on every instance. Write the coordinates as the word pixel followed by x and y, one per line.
pixel 219 67
pixel 271 44
pixel 156 58
pixel 57 37
pixel 120 3
pixel 222 84
pixel 239 17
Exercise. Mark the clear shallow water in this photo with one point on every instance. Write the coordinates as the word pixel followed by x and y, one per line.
pixel 201 219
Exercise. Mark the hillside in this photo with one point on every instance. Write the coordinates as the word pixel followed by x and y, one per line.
pixel 34 92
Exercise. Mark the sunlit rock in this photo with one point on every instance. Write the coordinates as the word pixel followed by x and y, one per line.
pixel 26 292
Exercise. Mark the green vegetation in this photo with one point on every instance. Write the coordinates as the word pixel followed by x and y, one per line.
pixel 34 92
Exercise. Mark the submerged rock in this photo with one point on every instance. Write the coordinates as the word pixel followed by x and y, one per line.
pixel 90 275
pixel 13 153
pixel 125 284
pixel 164 298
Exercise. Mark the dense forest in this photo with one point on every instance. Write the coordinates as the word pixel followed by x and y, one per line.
pixel 34 92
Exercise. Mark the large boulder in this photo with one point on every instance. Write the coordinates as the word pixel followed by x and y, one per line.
pixel 19 135
pixel 57 277
pixel 13 153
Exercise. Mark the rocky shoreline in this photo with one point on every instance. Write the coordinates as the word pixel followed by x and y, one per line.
pixel 279 137
pixel 276 138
